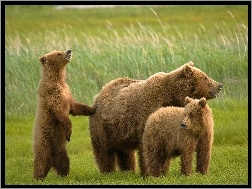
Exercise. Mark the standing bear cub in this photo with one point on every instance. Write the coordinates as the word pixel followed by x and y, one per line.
pixel 175 131
pixel 53 127
pixel 124 104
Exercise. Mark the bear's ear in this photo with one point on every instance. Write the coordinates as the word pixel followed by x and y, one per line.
pixel 187 70
pixel 188 100
pixel 191 63
pixel 42 59
pixel 202 102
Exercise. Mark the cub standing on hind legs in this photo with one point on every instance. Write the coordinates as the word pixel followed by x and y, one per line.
pixel 53 127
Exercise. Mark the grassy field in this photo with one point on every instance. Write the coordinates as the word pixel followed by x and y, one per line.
pixel 126 41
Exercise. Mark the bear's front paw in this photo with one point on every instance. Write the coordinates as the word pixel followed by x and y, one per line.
pixel 68 134
pixel 68 129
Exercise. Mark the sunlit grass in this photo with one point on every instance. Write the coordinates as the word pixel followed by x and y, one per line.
pixel 229 163
pixel 138 53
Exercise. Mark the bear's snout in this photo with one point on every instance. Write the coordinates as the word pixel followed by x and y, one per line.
pixel 215 92
pixel 68 55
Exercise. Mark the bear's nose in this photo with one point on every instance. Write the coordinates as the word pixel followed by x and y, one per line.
pixel 69 51
pixel 220 86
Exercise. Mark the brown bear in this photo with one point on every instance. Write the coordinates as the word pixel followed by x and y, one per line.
pixel 123 105
pixel 176 131
pixel 53 128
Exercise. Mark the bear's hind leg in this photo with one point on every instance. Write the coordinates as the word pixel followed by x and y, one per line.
pixel 126 160
pixel 61 163
pixel 153 164
pixel 105 160
pixel 166 165
pixel 42 162
pixel 153 168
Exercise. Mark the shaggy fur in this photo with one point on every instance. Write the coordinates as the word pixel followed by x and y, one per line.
pixel 174 131
pixel 123 105
pixel 53 127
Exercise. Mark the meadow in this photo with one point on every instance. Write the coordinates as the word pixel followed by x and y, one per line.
pixel 134 42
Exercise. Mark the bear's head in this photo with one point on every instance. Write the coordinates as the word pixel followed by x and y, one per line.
pixel 198 116
pixel 200 85
pixel 56 58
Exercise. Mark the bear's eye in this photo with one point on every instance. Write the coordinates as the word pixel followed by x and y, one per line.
pixel 192 89
pixel 59 54
pixel 190 115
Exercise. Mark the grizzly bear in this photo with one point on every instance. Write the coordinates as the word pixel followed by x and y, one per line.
pixel 176 131
pixel 123 105
pixel 53 128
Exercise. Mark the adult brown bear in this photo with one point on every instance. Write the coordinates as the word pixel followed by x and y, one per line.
pixel 123 105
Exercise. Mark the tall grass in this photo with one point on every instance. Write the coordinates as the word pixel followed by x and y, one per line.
pixel 126 42
pixel 137 52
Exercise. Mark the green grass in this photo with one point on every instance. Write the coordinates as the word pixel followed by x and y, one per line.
pixel 229 164
pixel 134 42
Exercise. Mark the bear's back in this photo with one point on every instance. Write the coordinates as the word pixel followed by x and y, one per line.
pixel 165 118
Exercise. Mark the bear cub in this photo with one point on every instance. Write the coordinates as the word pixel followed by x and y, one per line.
pixel 175 131
pixel 53 128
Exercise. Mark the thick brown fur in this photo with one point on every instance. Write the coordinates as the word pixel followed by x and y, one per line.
pixel 123 105
pixel 174 131
pixel 53 127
